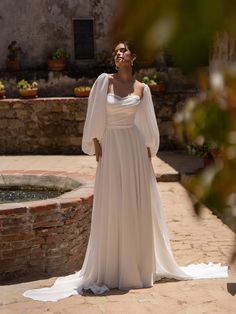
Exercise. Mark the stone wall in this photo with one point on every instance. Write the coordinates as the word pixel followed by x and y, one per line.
pixel 55 125
pixel 42 126
pixel 41 26
pixel 166 106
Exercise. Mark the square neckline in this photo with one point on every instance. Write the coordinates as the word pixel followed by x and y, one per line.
pixel 122 97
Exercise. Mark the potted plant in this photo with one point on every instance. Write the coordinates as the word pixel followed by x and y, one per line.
pixel 26 89
pixel 82 91
pixel 58 59
pixel 203 151
pixel 208 151
pixel 13 61
pixel 155 83
pixel 2 90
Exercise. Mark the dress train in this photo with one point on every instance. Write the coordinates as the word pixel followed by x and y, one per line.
pixel 129 244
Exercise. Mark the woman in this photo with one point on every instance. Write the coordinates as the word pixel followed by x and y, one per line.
pixel 128 245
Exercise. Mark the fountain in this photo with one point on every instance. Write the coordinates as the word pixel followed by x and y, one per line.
pixel 45 237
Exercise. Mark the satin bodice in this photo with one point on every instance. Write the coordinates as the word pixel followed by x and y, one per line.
pixel 121 110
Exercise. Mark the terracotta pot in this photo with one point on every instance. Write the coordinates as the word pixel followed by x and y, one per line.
pixel 217 153
pixel 56 65
pixel 207 161
pixel 2 94
pixel 81 93
pixel 13 65
pixel 28 92
pixel 157 88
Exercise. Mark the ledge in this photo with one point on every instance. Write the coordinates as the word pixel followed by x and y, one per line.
pixel 77 99
pixel 44 99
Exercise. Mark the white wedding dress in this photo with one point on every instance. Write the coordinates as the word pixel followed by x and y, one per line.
pixel 128 245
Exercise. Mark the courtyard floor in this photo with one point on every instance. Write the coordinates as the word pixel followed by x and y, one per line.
pixel 193 239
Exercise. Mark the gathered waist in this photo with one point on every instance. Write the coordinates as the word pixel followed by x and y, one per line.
pixel 114 126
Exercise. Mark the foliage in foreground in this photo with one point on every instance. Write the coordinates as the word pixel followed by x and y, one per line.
pixel 186 29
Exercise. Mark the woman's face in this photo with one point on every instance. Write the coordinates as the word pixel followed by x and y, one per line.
pixel 122 55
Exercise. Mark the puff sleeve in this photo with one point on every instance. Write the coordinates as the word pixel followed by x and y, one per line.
pixel 145 120
pixel 95 121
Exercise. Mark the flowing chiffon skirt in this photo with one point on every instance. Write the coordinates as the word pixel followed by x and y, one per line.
pixel 129 245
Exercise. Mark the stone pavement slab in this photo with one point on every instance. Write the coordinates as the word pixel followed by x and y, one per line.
pixel 193 240
pixel 167 165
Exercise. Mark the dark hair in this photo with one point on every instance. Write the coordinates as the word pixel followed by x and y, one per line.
pixel 130 45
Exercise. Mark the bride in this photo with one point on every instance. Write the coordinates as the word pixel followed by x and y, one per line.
pixel 128 245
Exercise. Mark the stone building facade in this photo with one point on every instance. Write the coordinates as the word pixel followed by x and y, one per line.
pixel 41 26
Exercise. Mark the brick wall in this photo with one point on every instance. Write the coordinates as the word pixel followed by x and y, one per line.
pixel 45 237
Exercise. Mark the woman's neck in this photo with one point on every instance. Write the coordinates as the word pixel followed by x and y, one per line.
pixel 125 75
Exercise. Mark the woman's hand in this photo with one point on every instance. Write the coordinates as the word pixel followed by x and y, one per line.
pixel 149 152
pixel 98 149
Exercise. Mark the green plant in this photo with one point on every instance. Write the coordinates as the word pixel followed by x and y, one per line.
pixel 2 86
pixel 23 84
pixel 14 51
pixel 203 150
pixel 153 79
pixel 59 53
pixel 210 118
pixel 82 88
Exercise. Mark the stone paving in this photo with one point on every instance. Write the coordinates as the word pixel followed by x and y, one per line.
pixel 193 240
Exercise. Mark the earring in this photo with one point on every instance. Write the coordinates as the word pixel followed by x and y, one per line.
pixel 132 61
pixel 117 68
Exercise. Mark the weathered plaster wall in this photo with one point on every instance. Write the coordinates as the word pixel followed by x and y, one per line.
pixel 41 26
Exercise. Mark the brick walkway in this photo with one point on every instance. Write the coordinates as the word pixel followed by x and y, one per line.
pixel 193 241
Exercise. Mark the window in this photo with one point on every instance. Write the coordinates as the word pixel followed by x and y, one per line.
pixel 84 38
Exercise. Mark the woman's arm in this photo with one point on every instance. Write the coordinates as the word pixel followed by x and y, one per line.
pixel 146 122
pixel 95 121
pixel 98 148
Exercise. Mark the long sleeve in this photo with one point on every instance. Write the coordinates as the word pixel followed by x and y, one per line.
pixel 146 122
pixel 95 121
